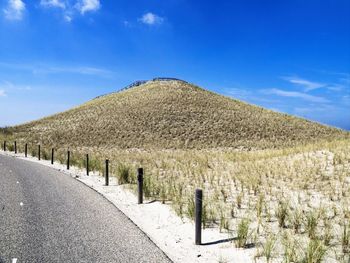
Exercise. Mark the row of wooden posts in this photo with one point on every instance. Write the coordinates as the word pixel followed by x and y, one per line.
pixel 198 193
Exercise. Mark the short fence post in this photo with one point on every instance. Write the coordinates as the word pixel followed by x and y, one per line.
pixel 140 185
pixel 198 214
pixel 4 146
pixel 52 155
pixel 39 157
pixel 15 147
pixel 68 159
pixel 107 173
pixel 26 150
pixel 87 164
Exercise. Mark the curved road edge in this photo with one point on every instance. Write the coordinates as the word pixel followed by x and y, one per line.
pixel 172 234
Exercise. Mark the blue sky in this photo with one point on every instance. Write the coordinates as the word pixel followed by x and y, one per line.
pixel 291 56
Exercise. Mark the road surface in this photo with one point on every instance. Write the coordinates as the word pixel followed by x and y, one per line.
pixel 47 216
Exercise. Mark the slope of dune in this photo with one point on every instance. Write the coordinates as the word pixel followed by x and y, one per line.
pixel 166 114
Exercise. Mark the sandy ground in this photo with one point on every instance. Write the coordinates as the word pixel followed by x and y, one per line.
pixel 175 236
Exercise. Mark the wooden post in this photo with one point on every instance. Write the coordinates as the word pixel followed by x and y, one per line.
pixel 15 147
pixel 87 164
pixel 52 155
pixel 198 214
pixel 26 150
pixel 140 185
pixel 4 146
pixel 107 173
pixel 68 159
pixel 39 157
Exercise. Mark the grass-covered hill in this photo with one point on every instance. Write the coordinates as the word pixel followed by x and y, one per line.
pixel 168 114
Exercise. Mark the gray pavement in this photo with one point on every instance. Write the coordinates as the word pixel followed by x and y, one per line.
pixel 47 216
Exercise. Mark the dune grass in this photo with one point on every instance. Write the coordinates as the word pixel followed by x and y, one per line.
pixel 172 115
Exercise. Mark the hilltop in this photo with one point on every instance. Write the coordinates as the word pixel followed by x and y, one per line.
pixel 170 113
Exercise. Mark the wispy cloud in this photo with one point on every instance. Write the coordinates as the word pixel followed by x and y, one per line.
pixel 346 100
pixel 295 94
pixel 49 69
pixel 79 70
pixel 238 93
pixel 248 95
pixel 68 18
pixel 88 5
pixel 9 86
pixel 336 87
pixel 336 73
pixel 346 79
pixel 151 19
pixel 126 23
pixel 2 93
pixel 70 8
pixel 60 4
pixel 53 3
pixel 320 109
pixel 306 84
pixel 14 9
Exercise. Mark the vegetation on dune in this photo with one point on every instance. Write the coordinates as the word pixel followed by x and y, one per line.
pixel 301 192
pixel 172 114
pixel 289 197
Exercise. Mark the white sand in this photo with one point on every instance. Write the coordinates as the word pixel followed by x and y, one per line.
pixel 168 231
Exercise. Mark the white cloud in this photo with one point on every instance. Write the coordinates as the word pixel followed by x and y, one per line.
pixel 346 100
pixel 71 7
pixel 151 19
pixel 307 84
pixel 335 87
pixel 61 4
pixel 14 9
pixel 67 18
pixel 346 79
pixel 53 3
pixel 307 110
pixel 249 96
pixel 238 93
pixel 88 5
pixel 126 23
pixel 53 69
pixel 295 94
pixel 7 85
pixel 79 70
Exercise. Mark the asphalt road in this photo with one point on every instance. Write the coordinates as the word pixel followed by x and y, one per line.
pixel 46 216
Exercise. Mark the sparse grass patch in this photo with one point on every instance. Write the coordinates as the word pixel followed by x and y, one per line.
pixel 311 224
pixel 268 247
pixel 315 252
pixel 124 174
pixel 345 240
pixel 242 233
pixel 282 213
